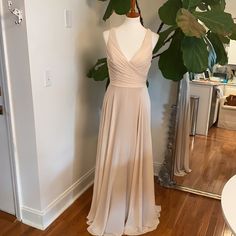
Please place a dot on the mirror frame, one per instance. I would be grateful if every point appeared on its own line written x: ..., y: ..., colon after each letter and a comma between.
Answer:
x: 166, y: 174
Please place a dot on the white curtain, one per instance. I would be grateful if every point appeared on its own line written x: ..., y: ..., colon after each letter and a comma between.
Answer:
x: 181, y: 167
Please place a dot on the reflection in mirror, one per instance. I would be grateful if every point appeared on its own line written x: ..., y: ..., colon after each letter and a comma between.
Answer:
x: 201, y: 148
x: 205, y: 152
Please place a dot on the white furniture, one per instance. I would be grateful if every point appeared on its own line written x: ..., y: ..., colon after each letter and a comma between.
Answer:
x: 229, y: 89
x: 227, y: 114
x: 228, y: 203
x: 232, y: 52
x: 204, y: 90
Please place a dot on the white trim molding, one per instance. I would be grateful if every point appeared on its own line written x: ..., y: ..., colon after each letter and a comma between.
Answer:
x: 42, y: 219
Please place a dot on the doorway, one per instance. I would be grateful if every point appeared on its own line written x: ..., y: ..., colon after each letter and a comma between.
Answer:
x: 7, y: 187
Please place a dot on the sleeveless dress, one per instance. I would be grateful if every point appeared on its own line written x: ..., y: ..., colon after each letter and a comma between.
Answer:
x: 123, y: 196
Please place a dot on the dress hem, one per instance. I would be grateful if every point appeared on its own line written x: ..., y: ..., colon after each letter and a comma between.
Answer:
x: 129, y: 231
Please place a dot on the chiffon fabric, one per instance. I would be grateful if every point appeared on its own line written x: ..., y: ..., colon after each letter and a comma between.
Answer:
x: 182, y: 154
x: 123, y: 196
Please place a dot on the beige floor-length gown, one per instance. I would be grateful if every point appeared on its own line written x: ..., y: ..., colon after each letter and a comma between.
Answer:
x: 182, y: 154
x: 123, y: 197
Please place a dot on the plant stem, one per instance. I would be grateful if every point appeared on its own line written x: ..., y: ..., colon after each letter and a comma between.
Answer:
x: 139, y: 11
x: 160, y: 27
x: 168, y: 40
x: 155, y: 56
x: 107, y: 83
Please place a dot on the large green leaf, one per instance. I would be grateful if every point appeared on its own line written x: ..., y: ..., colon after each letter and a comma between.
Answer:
x: 162, y: 37
x: 219, y: 48
x: 171, y: 60
x: 212, y: 54
x: 203, y: 6
x: 224, y: 39
x: 99, y: 71
x: 219, y: 7
x: 216, y: 4
x: 120, y: 7
x: 167, y: 12
x: 217, y: 21
x: 189, y: 24
x: 233, y: 35
x: 195, y: 54
x: 188, y: 4
x: 108, y: 11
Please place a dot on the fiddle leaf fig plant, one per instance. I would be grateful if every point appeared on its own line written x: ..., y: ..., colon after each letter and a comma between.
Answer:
x: 193, y: 32
x: 189, y: 24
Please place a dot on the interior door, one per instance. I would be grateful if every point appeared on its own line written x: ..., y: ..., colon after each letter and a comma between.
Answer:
x: 6, y: 184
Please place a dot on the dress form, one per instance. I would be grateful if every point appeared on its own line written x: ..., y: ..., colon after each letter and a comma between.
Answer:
x: 130, y: 36
x: 124, y: 196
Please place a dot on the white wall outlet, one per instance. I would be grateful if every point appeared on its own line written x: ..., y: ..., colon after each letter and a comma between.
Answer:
x: 48, y: 78
x: 68, y: 18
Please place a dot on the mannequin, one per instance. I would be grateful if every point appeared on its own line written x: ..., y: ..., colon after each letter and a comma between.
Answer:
x: 130, y: 36
x: 124, y: 197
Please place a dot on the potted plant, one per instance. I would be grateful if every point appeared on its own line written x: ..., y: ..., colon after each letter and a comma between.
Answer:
x: 193, y: 31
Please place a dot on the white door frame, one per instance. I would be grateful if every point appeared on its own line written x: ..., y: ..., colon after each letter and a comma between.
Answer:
x: 7, y: 113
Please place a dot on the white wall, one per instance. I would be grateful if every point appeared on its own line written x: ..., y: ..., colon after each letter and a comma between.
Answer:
x: 231, y: 7
x: 64, y: 113
x: 67, y: 113
x: 65, y: 116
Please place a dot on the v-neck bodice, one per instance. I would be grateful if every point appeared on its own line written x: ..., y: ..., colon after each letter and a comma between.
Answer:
x: 133, y: 72
x: 138, y: 50
x: 123, y: 196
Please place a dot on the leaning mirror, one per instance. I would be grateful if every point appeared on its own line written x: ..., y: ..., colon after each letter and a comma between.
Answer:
x: 201, y: 149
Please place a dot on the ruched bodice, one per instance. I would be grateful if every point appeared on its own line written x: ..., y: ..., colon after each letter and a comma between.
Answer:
x: 133, y: 72
x: 123, y: 194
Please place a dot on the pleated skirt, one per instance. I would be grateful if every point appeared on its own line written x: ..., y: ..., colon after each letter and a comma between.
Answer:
x: 123, y: 196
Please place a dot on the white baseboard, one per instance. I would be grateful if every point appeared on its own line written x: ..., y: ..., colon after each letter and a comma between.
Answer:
x: 157, y: 167
x: 42, y: 219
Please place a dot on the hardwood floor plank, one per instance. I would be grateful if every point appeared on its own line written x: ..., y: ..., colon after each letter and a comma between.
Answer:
x: 212, y: 160
x: 183, y: 214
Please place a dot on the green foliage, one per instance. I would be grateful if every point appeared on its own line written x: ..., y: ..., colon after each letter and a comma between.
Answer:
x: 212, y: 55
x: 163, y: 37
x: 216, y: 21
x: 168, y: 11
x: 171, y: 61
x: 233, y: 35
x: 189, y: 24
x: 195, y: 54
x: 215, y: 4
x: 99, y: 71
x: 221, y: 56
x: 188, y: 4
x: 190, y: 47
x: 119, y: 7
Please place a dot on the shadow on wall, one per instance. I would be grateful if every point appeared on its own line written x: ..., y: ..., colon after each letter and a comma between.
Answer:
x: 89, y: 93
x: 163, y: 96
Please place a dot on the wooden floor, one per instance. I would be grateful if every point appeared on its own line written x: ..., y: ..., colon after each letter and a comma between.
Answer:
x: 212, y: 160
x: 183, y: 214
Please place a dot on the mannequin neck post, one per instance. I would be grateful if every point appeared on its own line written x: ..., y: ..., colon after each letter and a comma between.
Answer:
x: 133, y: 13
